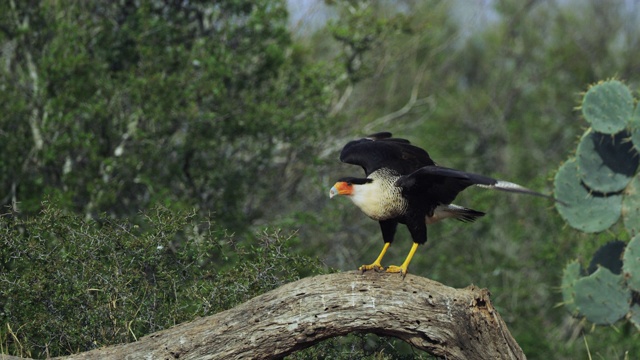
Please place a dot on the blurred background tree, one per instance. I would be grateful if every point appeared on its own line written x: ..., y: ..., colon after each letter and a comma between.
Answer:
x: 238, y: 110
x: 115, y: 106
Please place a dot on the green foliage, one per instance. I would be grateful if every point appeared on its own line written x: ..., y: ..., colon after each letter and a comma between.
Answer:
x: 72, y: 285
x: 120, y: 107
x: 634, y: 315
x: 362, y: 28
x: 361, y: 346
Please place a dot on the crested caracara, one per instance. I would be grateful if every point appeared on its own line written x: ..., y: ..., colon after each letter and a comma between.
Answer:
x: 403, y: 185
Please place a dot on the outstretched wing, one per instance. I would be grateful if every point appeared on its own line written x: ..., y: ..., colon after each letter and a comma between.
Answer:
x: 440, y: 185
x: 380, y: 150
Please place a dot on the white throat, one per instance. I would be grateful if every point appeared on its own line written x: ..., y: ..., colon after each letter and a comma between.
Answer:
x: 379, y: 199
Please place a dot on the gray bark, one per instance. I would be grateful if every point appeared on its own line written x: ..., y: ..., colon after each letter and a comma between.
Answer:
x: 446, y: 322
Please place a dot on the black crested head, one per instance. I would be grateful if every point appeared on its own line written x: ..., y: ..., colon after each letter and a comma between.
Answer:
x: 355, y: 180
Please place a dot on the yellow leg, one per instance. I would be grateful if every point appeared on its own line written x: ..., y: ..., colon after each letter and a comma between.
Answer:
x: 402, y: 269
x: 376, y: 264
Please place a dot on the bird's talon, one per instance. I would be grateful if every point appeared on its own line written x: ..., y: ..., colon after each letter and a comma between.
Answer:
x: 397, y: 269
x: 375, y: 267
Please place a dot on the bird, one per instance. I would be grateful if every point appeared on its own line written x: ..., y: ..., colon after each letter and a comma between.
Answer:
x: 403, y: 185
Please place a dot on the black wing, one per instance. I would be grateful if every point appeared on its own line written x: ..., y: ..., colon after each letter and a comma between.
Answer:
x: 439, y: 185
x: 380, y: 150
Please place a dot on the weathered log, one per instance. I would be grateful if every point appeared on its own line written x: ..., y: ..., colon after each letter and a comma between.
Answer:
x: 446, y: 322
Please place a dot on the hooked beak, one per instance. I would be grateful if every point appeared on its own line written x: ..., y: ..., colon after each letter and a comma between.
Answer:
x: 341, y: 188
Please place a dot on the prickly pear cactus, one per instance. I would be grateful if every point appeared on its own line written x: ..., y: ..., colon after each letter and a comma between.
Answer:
x: 580, y: 206
x: 631, y: 263
x: 608, y: 106
x: 634, y: 127
x: 590, y: 187
x: 594, y: 189
x: 570, y: 275
x: 602, y: 297
x: 604, y: 161
x: 609, y: 292
x: 631, y: 207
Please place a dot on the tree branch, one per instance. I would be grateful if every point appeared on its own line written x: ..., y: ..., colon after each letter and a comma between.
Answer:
x: 411, y: 103
x: 343, y: 100
x: 446, y: 322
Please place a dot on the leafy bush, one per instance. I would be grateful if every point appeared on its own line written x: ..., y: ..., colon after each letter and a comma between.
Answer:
x: 71, y: 285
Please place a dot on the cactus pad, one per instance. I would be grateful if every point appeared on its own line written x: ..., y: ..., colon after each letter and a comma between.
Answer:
x: 608, y: 106
x: 607, y: 162
x: 570, y: 275
x: 634, y: 127
x: 582, y: 209
x: 602, y: 297
x: 631, y: 207
x: 631, y: 266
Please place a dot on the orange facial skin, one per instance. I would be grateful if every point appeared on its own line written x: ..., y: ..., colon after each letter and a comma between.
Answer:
x: 341, y: 188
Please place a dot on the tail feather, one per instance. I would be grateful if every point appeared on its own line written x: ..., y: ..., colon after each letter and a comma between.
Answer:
x: 453, y: 211
x: 468, y: 215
